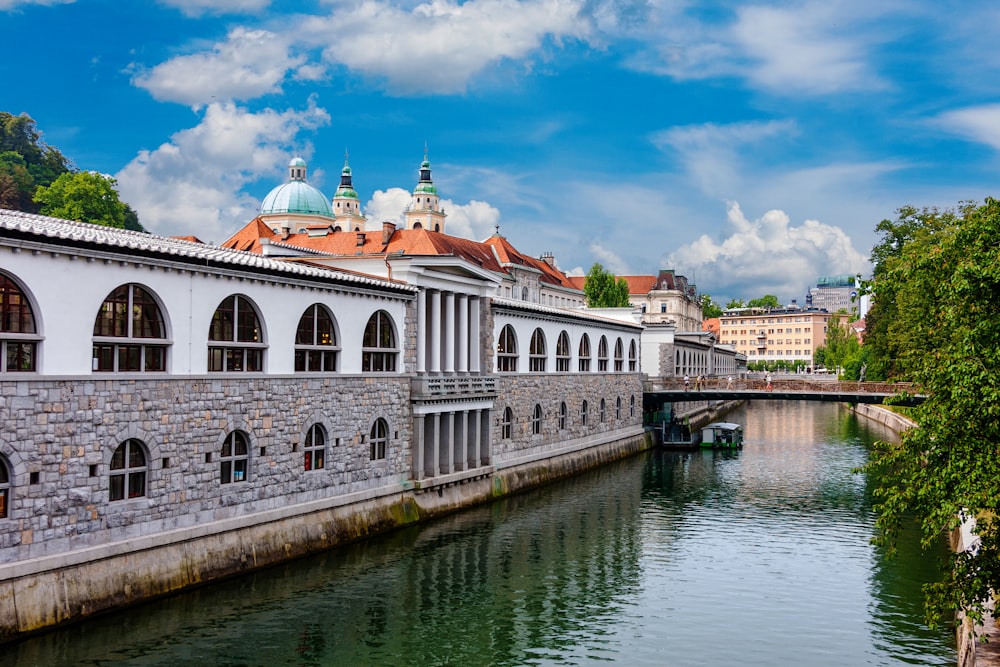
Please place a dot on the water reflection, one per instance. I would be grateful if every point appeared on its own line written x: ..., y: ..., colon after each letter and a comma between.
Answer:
x: 758, y: 556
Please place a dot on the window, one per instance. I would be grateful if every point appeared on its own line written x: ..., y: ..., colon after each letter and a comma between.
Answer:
x: 562, y: 352
x: 507, y: 351
x: 584, y: 353
x: 128, y: 471
x: 378, y: 352
x: 129, y: 333
x: 536, y: 419
x: 602, y: 355
x: 4, y: 489
x: 562, y: 416
x: 316, y: 341
x: 633, y: 358
x: 507, y: 423
x: 18, y: 338
x: 619, y: 356
x: 583, y: 413
x: 315, y: 447
x: 618, y: 408
x: 236, y: 342
x: 631, y: 406
x: 524, y: 294
x: 536, y: 352
x: 235, y: 460
x: 603, y: 413
x: 379, y: 435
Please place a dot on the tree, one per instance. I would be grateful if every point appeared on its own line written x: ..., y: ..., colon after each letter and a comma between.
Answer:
x: 26, y: 162
x: 709, y: 308
x: 85, y: 196
x: 766, y: 301
x: 735, y: 303
x: 842, y: 349
x: 603, y: 290
x: 943, y: 277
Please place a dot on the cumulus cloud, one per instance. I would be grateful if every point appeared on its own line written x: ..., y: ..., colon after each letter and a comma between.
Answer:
x: 475, y: 220
x: 980, y: 124
x: 609, y: 259
x: 387, y: 206
x: 248, y: 64
x: 768, y: 255
x: 201, y: 7
x: 192, y: 184
x: 6, y: 5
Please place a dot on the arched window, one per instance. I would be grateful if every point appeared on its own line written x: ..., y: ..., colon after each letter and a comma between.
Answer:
x: 584, y: 353
x: 129, y: 333
x: 236, y: 341
x: 524, y: 294
x: 378, y: 351
x: 562, y: 416
x: 618, y: 408
x: 584, y: 410
x: 604, y: 411
x: 379, y: 435
x: 633, y: 358
x: 316, y: 341
x: 631, y: 406
x: 602, y: 355
x: 619, y: 356
x: 128, y: 471
x: 4, y: 489
x: 18, y: 336
x: 234, y: 464
x: 536, y: 419
x: 315, y: 447
x: 507, y: 350
x: 507, y: 424
x: 562, y: 352
x: 536, y: 352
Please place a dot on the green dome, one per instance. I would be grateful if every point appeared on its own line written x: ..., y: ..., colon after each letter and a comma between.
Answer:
x: 296, y: 197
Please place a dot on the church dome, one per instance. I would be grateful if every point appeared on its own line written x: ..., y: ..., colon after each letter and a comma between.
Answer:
x: 296, y: 196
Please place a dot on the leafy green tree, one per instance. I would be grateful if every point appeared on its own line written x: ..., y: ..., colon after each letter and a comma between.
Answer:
x: 603, y: 290
x: 736, y: 303
x: 709, y: 308
x: 942, y: 274
x: 45, y: 164
x: 766, y: 301
x: 85, y: 196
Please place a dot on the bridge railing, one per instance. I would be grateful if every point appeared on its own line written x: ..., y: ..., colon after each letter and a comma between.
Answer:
x: 782, y: 383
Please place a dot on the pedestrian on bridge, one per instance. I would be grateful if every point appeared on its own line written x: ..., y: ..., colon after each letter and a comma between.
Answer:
x: 768, y: 379
x: 687, y: 382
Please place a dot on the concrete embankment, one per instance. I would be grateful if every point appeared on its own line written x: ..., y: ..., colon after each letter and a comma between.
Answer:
x: 43, y: 592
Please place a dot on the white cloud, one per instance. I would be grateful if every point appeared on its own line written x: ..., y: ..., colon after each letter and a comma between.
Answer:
x: 6, y: 5
x: 438, y: 46
x: 609, y: 259
x: 193, y: 183
x: 475, y: 220
x: 980, y: 124
x: 250, y: 63
x: 387, y: 206
x: 201, y: 7
x: 768, y: 256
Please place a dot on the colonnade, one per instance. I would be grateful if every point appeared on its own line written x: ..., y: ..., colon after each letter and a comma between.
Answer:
x: 448, y: 332
x: 451, y: 441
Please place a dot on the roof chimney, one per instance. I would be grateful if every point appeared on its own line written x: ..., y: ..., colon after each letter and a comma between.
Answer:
x: 388, y: 228
x: 549, y: 259
x: 361, y: 238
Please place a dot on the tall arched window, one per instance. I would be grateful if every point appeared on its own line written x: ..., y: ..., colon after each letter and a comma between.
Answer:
x: 4, y: 489
x: 631, y: 406
x: 378, y: 351
x: 584, y: 409
x: 618, y: 408
x: 128, y: 471
x: 536, y: 419
x: 619, y: 356
x: 536, y: 352
x: 507, y: 350
x: 234, y: 464
x: 524, y: 294
x: 584, y: 353
x: 379, y: 435
x: 506, y: 425
x: 633, y: 358
x: 604, y: 411
x: 602, y: 355
x: 315, y: 447
x: 562, y: 352
x: 316, y: 341
x: 236, y: 340
x: 562, y: 416
x: 129, y: 333
x: 18, y: 335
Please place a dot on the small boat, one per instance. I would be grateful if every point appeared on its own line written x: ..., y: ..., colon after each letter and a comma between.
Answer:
x: 722, y: 435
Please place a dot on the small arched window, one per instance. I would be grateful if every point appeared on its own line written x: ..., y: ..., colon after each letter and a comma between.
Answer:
x: 234, y: 464
x: 562, y: 416
x: 584, y: 410
x: 602, y: 355
x: 619, y: 356
x: 536, y: 419
x: 129, y: 333
x: 562, y: 352
x: 315, y: 447
x: 507, y: 350
x: 584, y: 353
x: 236, y: 341
x: 128, y: 471
x: 524, y: 294
x: 506, y: 425
x: 618, y: 408
x: 603, y: 413
x: 379, y: 436
x: 633, y: 358
x: 631, y: 406
x: 18, y: 335
x: 5, y: 493
x: 378, y: 352
x: 536, y: 352
x: 316, y: 341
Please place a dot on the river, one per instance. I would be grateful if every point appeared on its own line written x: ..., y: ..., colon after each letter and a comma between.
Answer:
x: 757, y: 557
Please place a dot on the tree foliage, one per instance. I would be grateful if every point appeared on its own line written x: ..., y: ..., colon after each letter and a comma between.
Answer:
x: 766, y: 301
x: 937, y: 277
x: 709, y: 308
x: 842, y: 349
x: 85, y: 196
x: 735, y: 303
x: 603, y: 290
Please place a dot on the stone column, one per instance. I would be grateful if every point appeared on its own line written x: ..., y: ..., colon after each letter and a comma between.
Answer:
x: 418, y: 447
x: 484, y: 437
x: 422, y: 331
x: 435, y: 326
x: 463, y: 334
x: 475, y: 436
x: 475, y: 344
x: 461, y: 439
x: 433, y: 460
x: 449, y: 332
x: 447, y: 445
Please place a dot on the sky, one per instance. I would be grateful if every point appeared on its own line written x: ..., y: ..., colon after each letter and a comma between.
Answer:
x: 750, y: 146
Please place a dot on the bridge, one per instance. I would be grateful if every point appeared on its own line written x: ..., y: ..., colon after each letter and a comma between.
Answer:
x: 783, y: 388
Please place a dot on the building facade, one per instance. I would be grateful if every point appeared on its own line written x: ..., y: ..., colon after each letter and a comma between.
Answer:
x: 773, y: 334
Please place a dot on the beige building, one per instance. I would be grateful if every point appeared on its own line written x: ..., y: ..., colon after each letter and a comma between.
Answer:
x: 763, y: 334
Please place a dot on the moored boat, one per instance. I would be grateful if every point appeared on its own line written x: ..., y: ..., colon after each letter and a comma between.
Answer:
x: 722, y: 435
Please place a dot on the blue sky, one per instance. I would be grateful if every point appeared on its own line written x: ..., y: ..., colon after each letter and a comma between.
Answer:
x: 750, y: 146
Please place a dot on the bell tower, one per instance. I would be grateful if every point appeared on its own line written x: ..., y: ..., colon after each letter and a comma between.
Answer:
x: 424, y: 211
x: 346, y: 204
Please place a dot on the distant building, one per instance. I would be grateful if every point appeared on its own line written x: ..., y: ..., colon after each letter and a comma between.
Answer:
x: 772, y: 334
x: 833, y: 294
